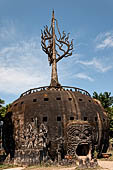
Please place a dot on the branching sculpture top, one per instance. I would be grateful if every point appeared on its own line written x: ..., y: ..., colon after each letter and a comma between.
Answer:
x: 56, y: 47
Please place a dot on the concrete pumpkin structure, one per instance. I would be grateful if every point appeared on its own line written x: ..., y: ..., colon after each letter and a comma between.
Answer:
x: 54, y: 122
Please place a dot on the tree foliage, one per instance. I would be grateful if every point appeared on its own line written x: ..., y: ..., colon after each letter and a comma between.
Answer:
x: 106, y: 99
x: 3, y: 109
x: 110, y: 112
x: 107, y: 102
x: 1, y: 102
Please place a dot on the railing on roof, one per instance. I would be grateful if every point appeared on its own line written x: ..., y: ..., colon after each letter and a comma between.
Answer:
x: 59, y: 88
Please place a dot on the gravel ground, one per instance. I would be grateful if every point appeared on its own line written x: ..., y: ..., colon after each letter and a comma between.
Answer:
x: 106, y: 165
x: 19, y: 168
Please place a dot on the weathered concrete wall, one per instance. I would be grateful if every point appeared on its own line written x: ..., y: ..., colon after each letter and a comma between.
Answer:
x: 55, y: 109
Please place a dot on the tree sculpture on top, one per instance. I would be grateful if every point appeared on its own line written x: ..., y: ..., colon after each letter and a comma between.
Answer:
x: 56, y: 47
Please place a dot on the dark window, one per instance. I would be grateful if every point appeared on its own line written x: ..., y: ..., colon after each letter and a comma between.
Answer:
x: 32, y: 120
x: 80, y: 99
x: 46, y: 99
x: 69, y: 99
x: 22, y: 102
x: 34, y: 100
x: 58, y: 98
x: 45, y: 119
x: 71, y: 118
x: 18, y: 121
x: 58, y: 118
x: 15, y: 104
x: 103, y: 120
x: 89, y: 100
x: 95, y: 119
x: 85, y: 118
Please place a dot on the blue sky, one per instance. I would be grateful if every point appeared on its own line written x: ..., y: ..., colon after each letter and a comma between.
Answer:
x: 23, y: 64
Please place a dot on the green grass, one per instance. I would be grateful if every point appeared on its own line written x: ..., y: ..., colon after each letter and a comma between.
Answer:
x: 40, y: 167
x: 6, y: 166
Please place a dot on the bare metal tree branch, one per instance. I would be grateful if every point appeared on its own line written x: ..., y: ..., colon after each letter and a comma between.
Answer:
x: 62, y: 43
x: 47, y: 47
x: 68, y: 46
x: 56, y: 46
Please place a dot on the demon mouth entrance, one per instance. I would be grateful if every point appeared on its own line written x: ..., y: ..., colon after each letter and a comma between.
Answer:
x: 82, y: 149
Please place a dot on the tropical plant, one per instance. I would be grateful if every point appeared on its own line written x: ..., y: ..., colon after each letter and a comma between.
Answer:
x: 3, y: 109
x: 107, y: 102
x: 1, y: 102
x: 106, y: 99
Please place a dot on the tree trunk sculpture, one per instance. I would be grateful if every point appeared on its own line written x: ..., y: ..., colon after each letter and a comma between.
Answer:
x: 56, y: 48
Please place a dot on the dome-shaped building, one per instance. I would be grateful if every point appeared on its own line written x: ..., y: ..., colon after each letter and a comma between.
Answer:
x: 54, y: 121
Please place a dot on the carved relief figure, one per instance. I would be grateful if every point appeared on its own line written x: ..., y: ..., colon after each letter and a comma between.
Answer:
x: 79, y: 138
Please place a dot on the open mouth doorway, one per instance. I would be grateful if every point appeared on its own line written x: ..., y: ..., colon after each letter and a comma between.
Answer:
x: 82, y: 149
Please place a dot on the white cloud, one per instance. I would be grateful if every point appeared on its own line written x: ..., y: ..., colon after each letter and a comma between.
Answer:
x: 20, y: 54
x: 104, y: 40
x: 16, y: 81
x: 84, y: 76
x: 96, y: 64
x: 9, y: 32
x: 23, y: 65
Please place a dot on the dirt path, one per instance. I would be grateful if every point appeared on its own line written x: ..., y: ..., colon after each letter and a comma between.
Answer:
x: 18, y: 168
x: 52, y: 168
x: 106, y: 164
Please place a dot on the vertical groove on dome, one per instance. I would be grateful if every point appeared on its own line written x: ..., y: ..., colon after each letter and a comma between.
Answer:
x: 76, y: 105
x: 73, y: 104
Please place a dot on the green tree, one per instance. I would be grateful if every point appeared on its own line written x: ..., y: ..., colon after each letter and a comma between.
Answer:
x: 106, y: 99
x: 3, y: 109
x: 1, y: 102
x: 107, y: 102
x: 110, y: 112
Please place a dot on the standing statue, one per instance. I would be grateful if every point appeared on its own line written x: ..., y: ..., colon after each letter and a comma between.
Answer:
x: 55, y: 47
